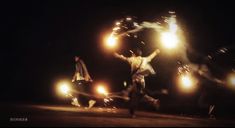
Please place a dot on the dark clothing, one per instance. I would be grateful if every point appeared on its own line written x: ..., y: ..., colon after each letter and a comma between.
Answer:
x: 83, y: 87
x: 82, y: 82
x: 138, y: 93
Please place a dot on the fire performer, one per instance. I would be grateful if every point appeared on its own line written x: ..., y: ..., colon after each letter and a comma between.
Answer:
x: 81, y: 80
x: 140, y: 68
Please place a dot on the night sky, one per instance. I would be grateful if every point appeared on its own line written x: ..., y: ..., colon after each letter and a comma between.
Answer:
x: 40, y: 39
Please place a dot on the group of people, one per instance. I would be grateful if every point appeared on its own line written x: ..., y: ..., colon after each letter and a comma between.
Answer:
x: 140, y: 68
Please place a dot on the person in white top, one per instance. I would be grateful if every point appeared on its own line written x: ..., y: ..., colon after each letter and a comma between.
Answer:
x: 140, y: 68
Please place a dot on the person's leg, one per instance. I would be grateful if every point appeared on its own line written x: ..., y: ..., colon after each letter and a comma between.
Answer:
x: 75, y: 96
x: 211, y: 108
x: 132, y: 103
x: 134, y: 99
x: 203, y: 104
x: 78, y: 98
x: 75, y: 102
x: 154, y: 102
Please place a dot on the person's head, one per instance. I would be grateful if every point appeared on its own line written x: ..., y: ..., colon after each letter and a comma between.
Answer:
x: 76, y: 58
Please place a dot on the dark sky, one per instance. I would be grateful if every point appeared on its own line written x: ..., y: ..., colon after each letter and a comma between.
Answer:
x: 40, y: 39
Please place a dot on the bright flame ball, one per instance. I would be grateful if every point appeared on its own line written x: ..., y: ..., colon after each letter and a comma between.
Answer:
x: 102, y: 90
x: 111, y: 42
x: 231, y: 79
x: 187, y: 83
x: 63, y: 88
x: 169, y: 40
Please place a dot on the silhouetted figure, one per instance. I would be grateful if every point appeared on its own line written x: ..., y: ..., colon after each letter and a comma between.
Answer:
x: 81, y: 80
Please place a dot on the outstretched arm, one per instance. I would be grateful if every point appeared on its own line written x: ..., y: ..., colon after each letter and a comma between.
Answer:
x: 155, y: 53
x: 120, y: 56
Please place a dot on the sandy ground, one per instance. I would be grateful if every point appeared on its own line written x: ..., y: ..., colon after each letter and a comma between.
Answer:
x: 60, y: 115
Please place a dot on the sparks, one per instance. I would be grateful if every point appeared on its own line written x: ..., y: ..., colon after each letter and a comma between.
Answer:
x: 169, y: 38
